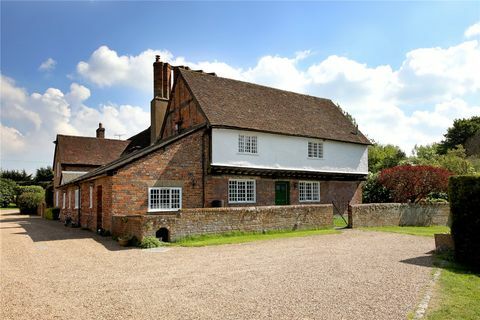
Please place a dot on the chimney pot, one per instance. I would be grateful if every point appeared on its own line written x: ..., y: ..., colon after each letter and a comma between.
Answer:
x: 100, y: 131
x: 157, y: 58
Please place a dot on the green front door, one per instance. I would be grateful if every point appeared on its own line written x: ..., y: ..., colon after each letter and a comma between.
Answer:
x: 282, y: 193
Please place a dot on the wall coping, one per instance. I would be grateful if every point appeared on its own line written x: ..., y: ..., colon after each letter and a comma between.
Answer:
x: 395, y: 204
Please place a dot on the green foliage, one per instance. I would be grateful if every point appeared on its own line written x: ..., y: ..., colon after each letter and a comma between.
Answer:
x: 44, y: 175
x: 150, y: 242
x: 28, y: 202
x: 24, y: 189
x: 464, y: 194
x: 374, y: 191
x: 414, y: 231
x: 48, y: 214
x: 458, y: 134
x: 20, y: 177
x: 7, y: 192
x: 455, y: 161
x: 384, y: 156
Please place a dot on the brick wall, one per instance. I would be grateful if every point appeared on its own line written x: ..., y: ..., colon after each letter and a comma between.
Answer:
x: 399, y: 214
x: 217, y: 220
x: 341, y: 192
x: 177, y: 165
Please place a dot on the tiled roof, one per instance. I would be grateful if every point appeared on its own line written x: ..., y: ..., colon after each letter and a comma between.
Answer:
x: 88, y: 150
x: 237, y: 104
x: 138, y: 141
x: 68, y: 176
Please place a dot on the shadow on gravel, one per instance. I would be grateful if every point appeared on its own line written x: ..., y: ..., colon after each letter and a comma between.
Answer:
x: 39, y: 229
x: 423, y: 261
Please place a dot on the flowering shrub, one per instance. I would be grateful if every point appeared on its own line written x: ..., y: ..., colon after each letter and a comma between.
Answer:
x: 414, y: 183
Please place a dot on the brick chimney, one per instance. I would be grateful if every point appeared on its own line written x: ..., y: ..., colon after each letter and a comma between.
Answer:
x: 162, y: 86
x: 100, y: 131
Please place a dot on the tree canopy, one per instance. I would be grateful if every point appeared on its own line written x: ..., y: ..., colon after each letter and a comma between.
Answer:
x: 459, y: 133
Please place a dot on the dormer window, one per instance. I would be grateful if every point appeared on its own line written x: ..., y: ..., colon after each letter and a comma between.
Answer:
x: 315, y: 150
x: 247, y: 144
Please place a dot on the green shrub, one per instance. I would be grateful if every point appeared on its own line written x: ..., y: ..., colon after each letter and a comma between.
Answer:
x: 23, y: 189
x: 374, y: 192
x: 150, y: 242
x: 464, y: 195
x: 7, y: 192
x: 48, y: 214
x: 28, y: 202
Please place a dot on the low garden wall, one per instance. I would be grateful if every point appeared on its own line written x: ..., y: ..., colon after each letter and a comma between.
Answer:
x: 188, y: 222
x: 398, y: 214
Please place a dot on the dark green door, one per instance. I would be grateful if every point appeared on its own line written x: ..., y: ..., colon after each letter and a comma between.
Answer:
x: 282, y: 193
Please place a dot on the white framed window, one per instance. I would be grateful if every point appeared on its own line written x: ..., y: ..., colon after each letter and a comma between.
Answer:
x: 247, y: 144
x: 69, y: 199
x: 164, y: 199
x: 77, y: 198
x: 90, y: 193
x: 64, y: 200
x: 242, y: 191
x: 56, y: 198
x: 309, y: 191
x: 315, y: 150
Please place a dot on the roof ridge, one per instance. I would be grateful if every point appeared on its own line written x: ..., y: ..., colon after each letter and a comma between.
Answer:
x: 87, y: 137
x: 256, y: 84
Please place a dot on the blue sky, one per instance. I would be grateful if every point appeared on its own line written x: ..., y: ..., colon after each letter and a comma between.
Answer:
x: 374, y: 58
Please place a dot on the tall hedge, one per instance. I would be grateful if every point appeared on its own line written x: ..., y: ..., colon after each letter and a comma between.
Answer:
x: 464, y: 194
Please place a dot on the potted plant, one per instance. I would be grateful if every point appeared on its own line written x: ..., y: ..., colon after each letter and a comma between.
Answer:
x: 124, y: 240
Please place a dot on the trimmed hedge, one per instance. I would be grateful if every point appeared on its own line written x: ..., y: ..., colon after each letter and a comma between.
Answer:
x: 29, y: 201
x: 7, y: 192
x: 464, y: 194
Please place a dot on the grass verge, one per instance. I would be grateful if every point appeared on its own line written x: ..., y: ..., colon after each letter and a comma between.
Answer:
x: 416, y: 231
x: 457, y: 293
x: 339, y: 222
x: 241, y: 237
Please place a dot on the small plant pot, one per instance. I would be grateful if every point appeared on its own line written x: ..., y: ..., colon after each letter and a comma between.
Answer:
x: 123, y: 242
x: 443, y: 242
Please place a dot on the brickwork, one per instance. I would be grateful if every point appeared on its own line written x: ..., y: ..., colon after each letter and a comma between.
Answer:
x: 218, y: 220
x: 399, y: 214
x: 178, y: 165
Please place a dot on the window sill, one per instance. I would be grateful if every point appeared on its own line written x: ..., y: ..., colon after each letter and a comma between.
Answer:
x: 163, y: 210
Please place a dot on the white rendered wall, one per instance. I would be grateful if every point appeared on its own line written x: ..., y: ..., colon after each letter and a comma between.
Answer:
x: 287, y: 152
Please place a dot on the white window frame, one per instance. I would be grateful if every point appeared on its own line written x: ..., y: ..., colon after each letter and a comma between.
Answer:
x: 69, y: 199
x: 233, y: 195
x: 315, y: 150
x: 77, y: 198
x: 91, y: 197
x: 309, y: 186
x: 247, y: 144
x: 56, y: 198
x: 156, y: 209
x: 64, y: 200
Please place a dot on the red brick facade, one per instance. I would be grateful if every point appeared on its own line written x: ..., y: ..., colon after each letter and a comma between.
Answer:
x: 184, y: 164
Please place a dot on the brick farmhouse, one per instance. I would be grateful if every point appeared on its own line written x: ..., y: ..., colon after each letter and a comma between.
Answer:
x: 212, y: 142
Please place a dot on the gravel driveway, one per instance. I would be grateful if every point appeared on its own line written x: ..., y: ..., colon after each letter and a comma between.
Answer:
x: 52, y: 272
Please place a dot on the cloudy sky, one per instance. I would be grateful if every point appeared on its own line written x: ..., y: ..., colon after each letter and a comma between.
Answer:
x: 404, y: 70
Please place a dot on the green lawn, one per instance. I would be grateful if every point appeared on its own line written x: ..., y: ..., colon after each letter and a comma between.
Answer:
x: 10, y: 207
x: 240, y: 237
x: 416, y: 231
x: 457, y: 295
x: 339, y: 222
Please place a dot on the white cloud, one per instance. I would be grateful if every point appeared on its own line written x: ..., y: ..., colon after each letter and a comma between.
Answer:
x: 47, y: 65
x: 473, y: 30
x: 30, y: 122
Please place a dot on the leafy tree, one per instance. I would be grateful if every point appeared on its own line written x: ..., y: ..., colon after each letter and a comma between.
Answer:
x: 374, y: 191
x: 20, y: 177
x: 458, y: 134
x: 7, y: 192
x: 414, y: 183
x: 384, y: 156
x: 456, y: 161
x: 44, y: 175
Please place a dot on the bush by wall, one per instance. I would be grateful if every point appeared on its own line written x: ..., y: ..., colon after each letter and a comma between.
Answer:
x: 464, y: 194
x: 28, y: 201
x: 7, y: 192
x: 48, y: 214
x: 150, y: 242
x: 374, y: 191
